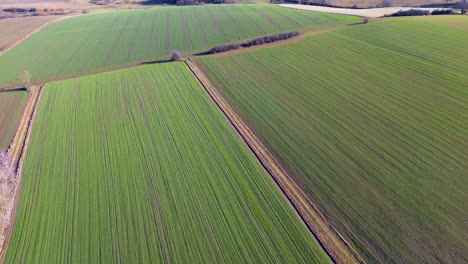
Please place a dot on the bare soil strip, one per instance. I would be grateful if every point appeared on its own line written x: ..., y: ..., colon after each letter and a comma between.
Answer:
x: 17, y: 153
x: 334, y: 244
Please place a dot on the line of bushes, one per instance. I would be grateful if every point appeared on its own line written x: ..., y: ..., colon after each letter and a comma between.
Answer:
x: 202, y: 2
x: 254, y: 42
x: 420, y: 12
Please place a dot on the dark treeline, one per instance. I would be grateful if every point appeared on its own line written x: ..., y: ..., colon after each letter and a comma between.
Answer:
x: 254, y: 42
x: 201, y: 2
x: 411, y: 12
x: 420, y: 12
x: 442, y: 12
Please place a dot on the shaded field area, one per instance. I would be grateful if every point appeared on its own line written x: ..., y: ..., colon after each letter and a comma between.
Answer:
x: 371, y: 121
x: 139, y: 166
x: 88, y: 43
x: 11, y: 107
x: 13, y: 30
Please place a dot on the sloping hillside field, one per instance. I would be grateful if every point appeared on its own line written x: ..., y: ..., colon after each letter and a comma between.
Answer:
x: 139, y: 166
x: 11, y: 107
x: 371, y: 121
x: 88, y: 43
x: 13, y: 30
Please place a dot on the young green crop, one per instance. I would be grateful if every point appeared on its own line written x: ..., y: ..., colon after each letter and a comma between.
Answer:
x: 371, y: 121
x: 139, y: 166
x: 101, y: 41
x: 11, y: 107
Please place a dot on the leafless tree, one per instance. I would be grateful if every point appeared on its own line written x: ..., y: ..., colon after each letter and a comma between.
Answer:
x: 176, y: 55
x: 463, y: 6
x: 386, y: 3
x: 7, y: 170
x: 25, y: 78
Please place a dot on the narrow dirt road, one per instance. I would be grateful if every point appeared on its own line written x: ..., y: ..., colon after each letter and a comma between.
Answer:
x: 17, y: 153
x: 334, y: 244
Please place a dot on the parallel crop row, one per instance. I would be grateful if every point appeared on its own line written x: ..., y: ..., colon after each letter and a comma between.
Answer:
x: 92, y: 42
x: 138, y: 166
x: 371, y: 121
x: 11, y: 107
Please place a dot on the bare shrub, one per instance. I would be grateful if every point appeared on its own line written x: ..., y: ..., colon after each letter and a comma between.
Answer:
x: 463, y: 6
x: 25, y: 78
x: 411, y: 12
x: 442, y: 12
x: 255, y: 42
x: 365, y: 21
x: 176, y: 55
x: 386, y: 3
x: 7, y: 170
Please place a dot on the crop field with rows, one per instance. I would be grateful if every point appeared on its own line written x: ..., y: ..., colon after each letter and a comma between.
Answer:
x: 89, y: 43
x: 371, y: 121
x: 11, y: 107
x: 139, y: 166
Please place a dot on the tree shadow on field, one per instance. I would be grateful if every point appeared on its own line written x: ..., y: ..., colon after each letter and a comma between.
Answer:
x: 155, y: 62
x: 202, y: 53
x: 157, y: 2
x: 13, y: 90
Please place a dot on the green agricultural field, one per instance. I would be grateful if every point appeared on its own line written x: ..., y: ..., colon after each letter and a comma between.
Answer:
x: 11, y: 107
x: 371, y: 120
x: 89, y: 43
x: 139, y: 166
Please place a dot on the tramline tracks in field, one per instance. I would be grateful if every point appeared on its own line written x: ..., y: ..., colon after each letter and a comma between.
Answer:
x: 331, y: 240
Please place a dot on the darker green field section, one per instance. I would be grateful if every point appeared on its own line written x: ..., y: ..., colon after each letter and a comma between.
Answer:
x: 11, y: 107
x: 139, y: 166
x: 94, y: 42
x: 371, y: 121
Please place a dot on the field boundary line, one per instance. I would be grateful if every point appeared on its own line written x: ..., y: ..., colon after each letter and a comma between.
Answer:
x: 17, y: 153
x: 305, y: 33
x: 35, y: 31
x: 337, y: 248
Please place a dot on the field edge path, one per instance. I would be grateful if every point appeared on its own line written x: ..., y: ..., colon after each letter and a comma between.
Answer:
x: 331, y: 241
x: 17, y: 153
x: 39, y: 28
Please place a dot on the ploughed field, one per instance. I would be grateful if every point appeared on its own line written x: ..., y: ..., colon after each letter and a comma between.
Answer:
x: 139, y: 166
x: 12, y: 104
x: 13, y: 30
x: 95, y: 42
x: 371, y: 121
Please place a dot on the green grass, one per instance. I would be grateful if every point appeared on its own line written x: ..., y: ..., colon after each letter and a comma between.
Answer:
x: 11, y: 107
x: 371, y: 121
x: 100, y: 41
x: 139, y: 166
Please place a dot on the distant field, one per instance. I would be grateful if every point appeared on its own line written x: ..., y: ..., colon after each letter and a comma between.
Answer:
x: 371, y: 121
x: 92, y: 42
x: 14, y: 29
x: 11, y: 107
x: 139, y: 166
x: 33, y: 2
x: 376, y: 3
